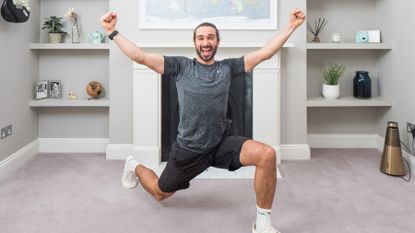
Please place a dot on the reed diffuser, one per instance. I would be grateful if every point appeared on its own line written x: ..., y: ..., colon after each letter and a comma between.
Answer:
x: 316, y: 30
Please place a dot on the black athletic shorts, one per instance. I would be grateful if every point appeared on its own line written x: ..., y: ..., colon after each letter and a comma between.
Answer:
x: 184, y: 165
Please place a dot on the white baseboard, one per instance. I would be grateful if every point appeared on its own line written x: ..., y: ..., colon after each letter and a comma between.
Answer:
x: 295, y: 152
x: 73, y: 145
x: 343, y: 140
x: 145, y: 155
x: 119, y: 151
x: 16, y: 160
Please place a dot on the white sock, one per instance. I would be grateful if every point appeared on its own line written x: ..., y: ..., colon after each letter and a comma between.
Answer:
x: 132, y: 163
x: 263, y: 219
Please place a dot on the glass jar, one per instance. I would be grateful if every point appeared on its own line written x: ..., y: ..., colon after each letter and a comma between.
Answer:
x: 362, y: 85
x: 76, y: 35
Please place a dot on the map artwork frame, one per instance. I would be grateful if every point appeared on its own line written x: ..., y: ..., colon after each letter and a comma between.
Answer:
x: 225, y: 14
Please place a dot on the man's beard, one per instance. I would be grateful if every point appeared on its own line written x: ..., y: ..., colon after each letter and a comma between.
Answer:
x: 208, y: 58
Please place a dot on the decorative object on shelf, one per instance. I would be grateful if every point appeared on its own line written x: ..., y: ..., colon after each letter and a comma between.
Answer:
x: 71, y: 95
x: 331, y: 76
x: 96, y: 37
x: 41, y: 89
x: 316, y: 30
x: 54, y: 89
x: 362, y: 85
x: 76, y: 33
x: 374, y: 36
x: 94, y: 89
x: 15, y: 11
x: 362, y: 37
x: 54, y: 24
x: 335, y: 38
x: 392, y: 161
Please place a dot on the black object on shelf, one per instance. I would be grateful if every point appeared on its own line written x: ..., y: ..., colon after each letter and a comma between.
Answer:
x: 362, y: 85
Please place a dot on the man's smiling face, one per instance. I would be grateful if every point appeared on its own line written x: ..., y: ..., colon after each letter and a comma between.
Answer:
x: 206, y: 44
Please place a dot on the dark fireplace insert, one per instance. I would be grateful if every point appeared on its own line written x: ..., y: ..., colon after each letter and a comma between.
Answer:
x: 239, y: 115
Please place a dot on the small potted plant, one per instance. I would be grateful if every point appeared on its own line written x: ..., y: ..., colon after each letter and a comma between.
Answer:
x: 331, y: 76
x: 54, y: 25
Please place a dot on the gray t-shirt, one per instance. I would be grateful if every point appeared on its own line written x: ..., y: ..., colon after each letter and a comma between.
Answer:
x: 203, y: 99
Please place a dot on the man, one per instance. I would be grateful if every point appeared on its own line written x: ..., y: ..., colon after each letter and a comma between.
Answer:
x: 203, y: 86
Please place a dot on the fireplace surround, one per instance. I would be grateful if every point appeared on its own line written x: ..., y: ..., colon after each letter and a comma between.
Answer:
x: 147, y: 102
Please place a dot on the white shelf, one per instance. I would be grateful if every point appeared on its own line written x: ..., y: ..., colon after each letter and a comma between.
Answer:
x: 351, y: 46
x: 70, y: 103
x: 81, y: 46
x: 347, y: 101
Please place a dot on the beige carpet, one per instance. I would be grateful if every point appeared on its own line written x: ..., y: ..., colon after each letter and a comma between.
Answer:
x: 336, y: 191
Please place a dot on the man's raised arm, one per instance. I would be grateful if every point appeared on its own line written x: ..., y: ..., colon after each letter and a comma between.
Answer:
x: 252, y: 59
x: 152, y: 61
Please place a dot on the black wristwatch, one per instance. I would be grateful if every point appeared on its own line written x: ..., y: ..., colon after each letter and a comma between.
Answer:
x: 113, y: 34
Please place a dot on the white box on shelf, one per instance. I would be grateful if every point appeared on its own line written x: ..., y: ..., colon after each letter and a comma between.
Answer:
x: 374, y: 36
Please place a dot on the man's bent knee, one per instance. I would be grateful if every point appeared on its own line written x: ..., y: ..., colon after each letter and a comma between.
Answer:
x: 268, y: 157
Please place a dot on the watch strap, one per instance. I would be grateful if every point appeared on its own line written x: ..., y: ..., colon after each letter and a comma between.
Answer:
x: 113, y: 34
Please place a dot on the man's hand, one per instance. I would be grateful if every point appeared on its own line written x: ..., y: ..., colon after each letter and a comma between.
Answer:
x: 108, y: 21
x: 297, y: 17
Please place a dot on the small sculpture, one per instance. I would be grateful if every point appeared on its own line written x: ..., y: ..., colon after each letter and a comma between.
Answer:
x: 71, y: 95
x: 318, y: 26
x: 94, y: 89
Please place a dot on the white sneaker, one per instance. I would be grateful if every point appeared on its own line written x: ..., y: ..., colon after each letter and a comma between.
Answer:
x: 128, y: 179
x: 268, y: 230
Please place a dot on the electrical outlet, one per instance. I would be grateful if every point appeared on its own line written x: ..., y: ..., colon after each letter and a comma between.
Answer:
x: 410, y: 127
x: 6, y: 131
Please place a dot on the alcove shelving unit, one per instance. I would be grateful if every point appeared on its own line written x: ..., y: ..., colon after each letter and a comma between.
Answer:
x: 75, y: 65
x: 64, y: 101
x: 345, y: 115
x: 347, y: 101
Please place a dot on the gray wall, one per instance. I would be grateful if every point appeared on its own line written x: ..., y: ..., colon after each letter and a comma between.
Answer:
x: 18, y: 68
x: 397, y: 67
x: 390, y: 69
x: 293, y: 70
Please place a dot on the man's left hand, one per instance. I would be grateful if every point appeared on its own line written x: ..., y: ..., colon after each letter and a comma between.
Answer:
x: 297, y: 17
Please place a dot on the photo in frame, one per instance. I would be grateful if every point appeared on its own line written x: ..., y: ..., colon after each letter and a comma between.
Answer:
x: 225, y: 14
x: 54, y: 89
x: 41, y: 89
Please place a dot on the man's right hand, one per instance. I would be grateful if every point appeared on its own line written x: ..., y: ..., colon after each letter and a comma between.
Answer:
x: 108, y: 22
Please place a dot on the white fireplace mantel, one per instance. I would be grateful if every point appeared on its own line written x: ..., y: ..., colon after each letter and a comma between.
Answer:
x: 147, y: 98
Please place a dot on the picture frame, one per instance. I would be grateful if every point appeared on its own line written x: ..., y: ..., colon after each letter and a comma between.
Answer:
x: 54, y: 89
x: 41, y: 89
x: 228, y: 15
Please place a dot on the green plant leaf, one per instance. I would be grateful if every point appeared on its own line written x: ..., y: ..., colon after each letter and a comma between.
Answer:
x: 332, y: 73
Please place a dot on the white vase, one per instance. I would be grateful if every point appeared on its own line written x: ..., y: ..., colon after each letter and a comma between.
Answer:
x: 331, y: 91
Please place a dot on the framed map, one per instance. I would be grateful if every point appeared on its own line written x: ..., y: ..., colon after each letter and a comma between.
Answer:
x: 226, y: 14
